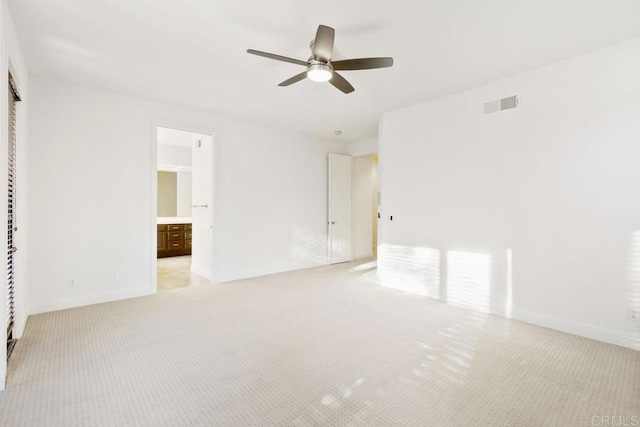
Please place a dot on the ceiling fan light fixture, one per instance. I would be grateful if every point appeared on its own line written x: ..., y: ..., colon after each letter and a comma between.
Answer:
x: 319, y: 72
x: 320, y: 66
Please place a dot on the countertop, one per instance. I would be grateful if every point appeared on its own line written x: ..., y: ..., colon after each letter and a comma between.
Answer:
x: 174, y: 220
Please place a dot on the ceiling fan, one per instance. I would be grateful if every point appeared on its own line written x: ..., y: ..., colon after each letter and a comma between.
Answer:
x: 320, y: 68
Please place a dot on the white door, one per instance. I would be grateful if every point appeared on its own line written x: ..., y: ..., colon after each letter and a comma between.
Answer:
x: 201, y: 207
x: 339, y: 215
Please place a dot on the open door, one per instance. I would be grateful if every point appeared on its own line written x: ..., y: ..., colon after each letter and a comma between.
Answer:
x: 202, y: 207
x: 339, y: 203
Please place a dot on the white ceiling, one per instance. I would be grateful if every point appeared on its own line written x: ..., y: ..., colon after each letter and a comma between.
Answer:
x: 193, y: 52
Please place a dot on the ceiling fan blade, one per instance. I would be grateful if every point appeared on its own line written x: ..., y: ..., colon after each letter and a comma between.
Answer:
x: 323, y: 43
x: 276, y: 57
x: 341, y: 83
x: 294, y: 79
x: 362, y: 64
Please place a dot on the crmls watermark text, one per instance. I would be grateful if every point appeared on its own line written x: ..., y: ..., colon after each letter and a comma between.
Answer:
x: 615, y: 420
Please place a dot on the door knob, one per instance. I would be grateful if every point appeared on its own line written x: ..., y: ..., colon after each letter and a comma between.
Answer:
x: 333, y: 222
x: 14, y: 249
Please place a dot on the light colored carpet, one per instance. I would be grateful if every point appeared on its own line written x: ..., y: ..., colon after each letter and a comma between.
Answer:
x: 324, y: 346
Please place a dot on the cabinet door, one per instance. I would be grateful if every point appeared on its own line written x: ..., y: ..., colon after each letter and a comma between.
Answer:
x: 162, y: 241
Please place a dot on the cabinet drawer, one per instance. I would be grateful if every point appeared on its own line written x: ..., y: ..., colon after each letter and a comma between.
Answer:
x: 188, y: 227
x: 175, y: 235
x: 176, y: 244
x: 187, y: 234
x: 176, y: 227
x: 162, y: 227
x: 187, y: 244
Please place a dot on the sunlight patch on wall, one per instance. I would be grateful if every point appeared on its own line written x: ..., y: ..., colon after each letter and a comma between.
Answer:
x: 469, y: 279
x: 415, y: 270
x: 309, y: 245
x: 509, y: 297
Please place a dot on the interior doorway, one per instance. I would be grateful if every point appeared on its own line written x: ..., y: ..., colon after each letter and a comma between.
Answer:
x: 365, y: 203
x: 375, y: 204
x: 183, y: 208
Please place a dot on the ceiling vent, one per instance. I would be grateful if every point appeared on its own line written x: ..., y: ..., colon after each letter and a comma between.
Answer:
x: 501, y: 104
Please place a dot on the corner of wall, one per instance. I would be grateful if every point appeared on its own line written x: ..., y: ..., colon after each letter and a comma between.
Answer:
x: 363, y: 148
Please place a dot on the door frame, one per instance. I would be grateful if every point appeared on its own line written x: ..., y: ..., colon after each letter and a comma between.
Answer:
x: 371, y: 149
x: 155, y: 123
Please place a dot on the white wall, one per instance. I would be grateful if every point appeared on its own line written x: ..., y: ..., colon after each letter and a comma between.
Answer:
x: 91, y: 154
x: 532, y: 212
x: 362, y: 184
x: 171, y: 155
x: 11, y: 58
x: 363, y: 148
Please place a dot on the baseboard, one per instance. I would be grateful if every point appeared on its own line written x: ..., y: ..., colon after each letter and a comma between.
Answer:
x: 19, y: 326
x: 90, y: 299
x: 579, y: 329
x: 575, y: 328
x: 233, y: 276
x: 201, y: 272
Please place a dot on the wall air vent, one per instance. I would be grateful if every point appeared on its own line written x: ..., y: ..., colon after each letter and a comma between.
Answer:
x: 501, y: 104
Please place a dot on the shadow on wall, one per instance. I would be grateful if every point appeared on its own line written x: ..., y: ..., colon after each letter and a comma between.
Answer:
x: 456, y: 277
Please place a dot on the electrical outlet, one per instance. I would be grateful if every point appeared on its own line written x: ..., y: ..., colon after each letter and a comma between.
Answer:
x: 634, y: 314
x: 71, y: 283
x: 115, y: 276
